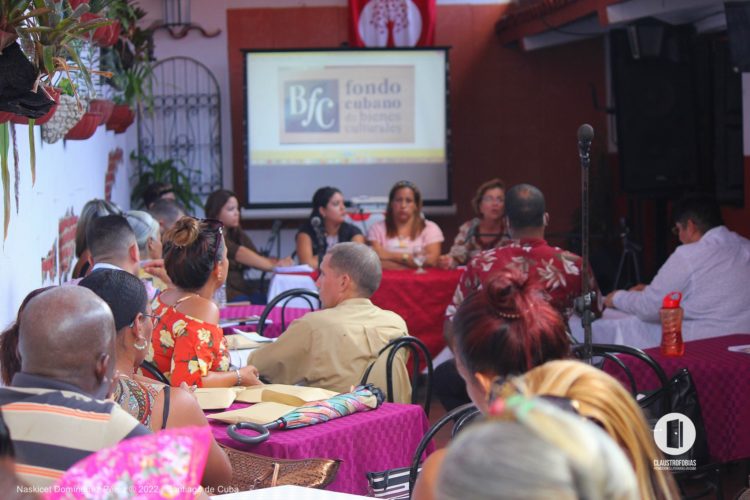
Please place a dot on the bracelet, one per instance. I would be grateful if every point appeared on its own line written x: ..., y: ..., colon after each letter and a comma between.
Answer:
x: 239, y: 377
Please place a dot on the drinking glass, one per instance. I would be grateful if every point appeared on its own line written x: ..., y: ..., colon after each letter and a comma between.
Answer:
x: 419, y: 257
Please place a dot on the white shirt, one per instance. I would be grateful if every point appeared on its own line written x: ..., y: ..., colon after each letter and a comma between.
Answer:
x: 713, y: 275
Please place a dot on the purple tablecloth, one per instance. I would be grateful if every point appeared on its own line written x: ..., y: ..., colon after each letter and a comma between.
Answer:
x: 364, y: 442
x: 271, y: 330
x: 722, y: 380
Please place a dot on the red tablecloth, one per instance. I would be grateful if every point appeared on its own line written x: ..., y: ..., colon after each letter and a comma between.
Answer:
x: 722, y: 380
x: 365, y: 442
x: 271, y: 330
x: 421, y: 300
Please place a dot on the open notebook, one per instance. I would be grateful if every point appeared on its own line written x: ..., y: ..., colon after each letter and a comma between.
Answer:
x: 220, y: 398
x: 246, y: 340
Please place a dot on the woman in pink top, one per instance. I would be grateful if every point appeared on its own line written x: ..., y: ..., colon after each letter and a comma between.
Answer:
x: 405, y: 233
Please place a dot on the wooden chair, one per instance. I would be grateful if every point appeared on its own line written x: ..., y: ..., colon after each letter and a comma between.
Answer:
x: 307, y: 295
x: 415, y: 346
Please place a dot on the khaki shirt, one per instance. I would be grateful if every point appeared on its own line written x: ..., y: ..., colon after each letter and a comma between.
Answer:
x: 333, y: 347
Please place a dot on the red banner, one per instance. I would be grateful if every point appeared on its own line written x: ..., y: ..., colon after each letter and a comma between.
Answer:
x: 391, y: 23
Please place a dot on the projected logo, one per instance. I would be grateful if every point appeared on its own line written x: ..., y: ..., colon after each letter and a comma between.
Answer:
x: 311, y: 106
x: 674, y: 434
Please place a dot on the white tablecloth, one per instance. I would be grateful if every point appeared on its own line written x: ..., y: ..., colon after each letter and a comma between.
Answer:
x: 617, y: 327
x: 283, y: 282
x: 285, y: 493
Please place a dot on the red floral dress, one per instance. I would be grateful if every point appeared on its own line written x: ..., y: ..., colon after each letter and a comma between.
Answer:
x: 185, y: 348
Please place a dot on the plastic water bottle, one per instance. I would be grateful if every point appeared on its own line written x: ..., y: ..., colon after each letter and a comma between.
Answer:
x: 671, y: 325
x: 220, y: 296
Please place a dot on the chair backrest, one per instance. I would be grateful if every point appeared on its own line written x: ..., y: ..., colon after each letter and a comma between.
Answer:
x: 307, y: 295
x: 155, y: 372
x: 460, y: 416
x: 614, y: 353
x: 415, y: 346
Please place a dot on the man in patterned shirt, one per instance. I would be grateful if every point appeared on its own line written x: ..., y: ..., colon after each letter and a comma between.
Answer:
x: 556, y: 271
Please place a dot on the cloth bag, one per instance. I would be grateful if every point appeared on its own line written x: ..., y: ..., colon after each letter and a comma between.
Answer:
x: 392, y: 483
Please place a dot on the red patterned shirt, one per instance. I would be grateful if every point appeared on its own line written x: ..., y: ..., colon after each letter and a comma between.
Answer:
x: 557, y: 270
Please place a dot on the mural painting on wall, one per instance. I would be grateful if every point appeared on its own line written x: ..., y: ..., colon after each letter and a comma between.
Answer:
x: 115, y: 159
x: 67, y: 241
x: 391, y: 23
x: 49, y: 265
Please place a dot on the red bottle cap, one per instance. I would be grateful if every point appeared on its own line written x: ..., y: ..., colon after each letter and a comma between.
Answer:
x: 671, y: 300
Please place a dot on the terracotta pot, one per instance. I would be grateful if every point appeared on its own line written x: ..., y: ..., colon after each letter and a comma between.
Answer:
x: 107, y: 36
x: 75, y: 3
x: 85, y: 127
x: 122, y: 117
x: 22, y: 120
x: 6, y: 116
x: 103, y: 106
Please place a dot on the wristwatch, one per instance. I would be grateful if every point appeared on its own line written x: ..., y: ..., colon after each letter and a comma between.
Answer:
x: 405, y: 258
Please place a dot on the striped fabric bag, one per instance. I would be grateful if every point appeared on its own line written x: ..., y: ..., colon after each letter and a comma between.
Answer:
x: 392, y: 484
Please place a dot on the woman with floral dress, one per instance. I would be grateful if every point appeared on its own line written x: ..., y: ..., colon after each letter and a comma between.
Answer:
x: 188, y: 344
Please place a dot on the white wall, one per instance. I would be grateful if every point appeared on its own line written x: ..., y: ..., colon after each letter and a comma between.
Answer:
x: 68, y: 175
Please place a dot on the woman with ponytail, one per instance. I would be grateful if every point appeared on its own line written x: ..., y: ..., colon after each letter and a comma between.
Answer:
x: 188, y: 344
x: 501, y: 330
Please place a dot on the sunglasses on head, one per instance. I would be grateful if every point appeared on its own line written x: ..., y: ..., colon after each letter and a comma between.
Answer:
x: 214, y: 226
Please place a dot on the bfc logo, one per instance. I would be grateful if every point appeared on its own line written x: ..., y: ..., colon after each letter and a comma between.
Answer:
x: 311, y: 106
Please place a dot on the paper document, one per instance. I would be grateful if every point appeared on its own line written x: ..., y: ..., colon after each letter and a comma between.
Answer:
x: 739, y: 348
x: 262, y: 413
x: 215, y: 398
x: 247, y: 340
x: 302, y: 268
x: 295, y: 395
x: 247, y: 320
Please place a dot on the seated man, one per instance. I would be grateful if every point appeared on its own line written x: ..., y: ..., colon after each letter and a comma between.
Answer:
x: 113, y: 245
x: 166, y: 212
x: 712, y: 271
x: 55, y: 406
x: 556, y: 271
x: 333, y: 347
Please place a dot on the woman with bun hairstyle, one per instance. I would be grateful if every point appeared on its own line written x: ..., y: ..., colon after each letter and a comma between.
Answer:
x: 601, y: 398
x: 314, y: 240
x: 503, y: 329
x: 188, y: 344
x: 404, y: 230
x: 222, y: 205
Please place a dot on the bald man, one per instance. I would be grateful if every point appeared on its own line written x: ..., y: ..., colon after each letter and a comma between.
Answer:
x: 66, y: 343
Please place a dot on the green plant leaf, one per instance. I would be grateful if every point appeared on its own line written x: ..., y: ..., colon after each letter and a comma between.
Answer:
x: 5, y: 174
x: 32, y: 151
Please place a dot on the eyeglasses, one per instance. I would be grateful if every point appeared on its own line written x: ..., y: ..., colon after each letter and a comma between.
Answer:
x: 154, y: 319
x: 493, y: 199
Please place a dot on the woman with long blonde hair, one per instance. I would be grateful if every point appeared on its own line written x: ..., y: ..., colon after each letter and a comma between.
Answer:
x: 601, y: 398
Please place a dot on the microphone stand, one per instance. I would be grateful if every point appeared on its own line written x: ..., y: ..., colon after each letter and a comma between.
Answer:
x: 585, y: 302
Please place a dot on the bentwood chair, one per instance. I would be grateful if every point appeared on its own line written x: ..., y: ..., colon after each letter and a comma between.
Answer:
x: 415, y: 347
x: 307, y: 295
x: 150, y: 367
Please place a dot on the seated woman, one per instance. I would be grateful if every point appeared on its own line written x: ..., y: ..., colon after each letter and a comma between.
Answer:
x: 154, y: 405
x: 190, y: 346
x: 241, y: 251
x: 148, y: 236
x: 604, y: 400
x: 532, y: 449
x: 505, y: 328
x: 404, y: 231
x: 313, y: 241
x: 480, y: 233
x: 91, y: 210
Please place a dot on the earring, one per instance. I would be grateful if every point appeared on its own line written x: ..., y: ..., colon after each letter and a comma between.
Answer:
x: 141, y: 347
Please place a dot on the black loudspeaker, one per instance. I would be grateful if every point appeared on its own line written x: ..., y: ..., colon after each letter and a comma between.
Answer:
x: 738, y: 32
x: 655, y: 101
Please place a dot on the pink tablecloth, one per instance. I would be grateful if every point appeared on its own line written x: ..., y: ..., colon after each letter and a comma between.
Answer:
x: 364, y: 442
x: 722, y: 380
x: 271, y: 330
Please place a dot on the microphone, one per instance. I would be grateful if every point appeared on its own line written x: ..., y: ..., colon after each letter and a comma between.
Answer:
x: 275, y: 230
x: 585, y: 136
x: 472, y: 232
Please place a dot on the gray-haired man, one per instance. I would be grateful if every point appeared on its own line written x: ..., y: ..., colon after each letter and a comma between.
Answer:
x: 333, y: 347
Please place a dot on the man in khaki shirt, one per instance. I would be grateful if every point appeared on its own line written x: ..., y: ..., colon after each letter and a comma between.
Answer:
x: 333, y: 347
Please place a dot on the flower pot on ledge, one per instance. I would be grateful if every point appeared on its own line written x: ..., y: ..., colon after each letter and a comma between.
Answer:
x: 85, y: 127
x: 122, y: 117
